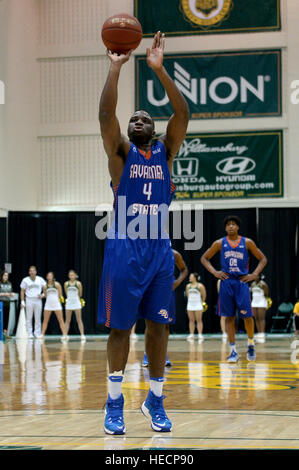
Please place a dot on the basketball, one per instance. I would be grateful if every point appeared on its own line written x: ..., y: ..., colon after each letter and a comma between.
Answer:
x: 121, y: 33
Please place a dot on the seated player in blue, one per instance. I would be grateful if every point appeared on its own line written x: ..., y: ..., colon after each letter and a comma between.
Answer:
x: 181, y: 265
x: 234, y: 288
x: 138, y: 265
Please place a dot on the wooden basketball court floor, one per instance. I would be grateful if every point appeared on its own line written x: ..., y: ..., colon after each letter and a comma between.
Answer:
x: 52, y: 395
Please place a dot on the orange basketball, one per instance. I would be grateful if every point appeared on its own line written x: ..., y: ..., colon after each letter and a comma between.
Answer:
x: 121, y: 33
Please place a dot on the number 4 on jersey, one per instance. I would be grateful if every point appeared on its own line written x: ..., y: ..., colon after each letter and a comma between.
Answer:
x: 147, y: 192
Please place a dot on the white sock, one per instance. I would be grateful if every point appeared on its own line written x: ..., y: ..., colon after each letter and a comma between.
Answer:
x: 156, y: 386
x: 114, y: 384
x: 233, y: 347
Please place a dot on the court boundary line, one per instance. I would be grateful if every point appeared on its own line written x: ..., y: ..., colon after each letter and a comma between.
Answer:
x: 170, y: 438
x: 203, y: 447
x: 271, y: 413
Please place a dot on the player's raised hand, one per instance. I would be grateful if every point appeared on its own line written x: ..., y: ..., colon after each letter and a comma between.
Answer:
x: 118, y: 59
x: 154, y: 55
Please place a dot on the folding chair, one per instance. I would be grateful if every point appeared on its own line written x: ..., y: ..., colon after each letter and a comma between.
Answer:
x: 282, y: 321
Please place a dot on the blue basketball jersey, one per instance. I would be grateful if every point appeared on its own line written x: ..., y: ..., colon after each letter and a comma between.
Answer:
x: 234, y: 258
x: 142, y: 197
x: 137, y: 276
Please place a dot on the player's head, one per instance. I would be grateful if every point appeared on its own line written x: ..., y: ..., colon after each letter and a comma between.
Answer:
x: 50, y: 277
x: 141, y: 127
x: 232, y: 224
x: 32, y: 271
x: 194, y: 277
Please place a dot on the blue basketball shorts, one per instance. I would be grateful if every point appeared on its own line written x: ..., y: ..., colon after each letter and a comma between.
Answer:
x: 234, y: 294
x: 136, y: 282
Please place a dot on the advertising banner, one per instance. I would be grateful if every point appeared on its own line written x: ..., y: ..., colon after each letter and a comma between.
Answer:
x: 237, y: 84
x: 191, y: 17
x: 229, y: 165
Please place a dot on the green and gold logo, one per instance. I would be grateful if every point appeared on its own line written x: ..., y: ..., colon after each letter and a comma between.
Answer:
x: 206, y: 13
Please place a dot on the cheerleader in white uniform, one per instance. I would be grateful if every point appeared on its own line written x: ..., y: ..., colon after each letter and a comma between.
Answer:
x: 53, y: 294
x: 73, y: 291
x: 196, y: 294
x: 260, y: 292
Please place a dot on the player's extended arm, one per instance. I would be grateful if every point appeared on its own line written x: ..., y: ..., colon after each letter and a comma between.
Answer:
x: 178, y: 122
x: 116, y: 144
x: 181, y: 265
x: 205, y: 260
x: 251, y: 246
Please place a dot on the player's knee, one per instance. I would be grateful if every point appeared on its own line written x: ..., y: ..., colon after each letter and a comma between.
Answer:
x: 120, y: 334
x: 248, y: 319
x: 229, y: 319
x: 155, y: 329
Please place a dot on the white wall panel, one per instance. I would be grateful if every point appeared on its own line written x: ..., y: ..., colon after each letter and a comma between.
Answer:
x: 76, y: 21
x: 73, y: 172
x: 54, y: 66
x: 19, y: 159
x: 70, y: 89
x: 74, y: 169
x: 70, y: 21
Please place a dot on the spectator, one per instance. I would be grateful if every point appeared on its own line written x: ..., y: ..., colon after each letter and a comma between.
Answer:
x: 196, y: 294
x: 31, y: 288
x: 5, y: 295
x: 260, y: 291
x: 74, y: 302
x: 53, y: 293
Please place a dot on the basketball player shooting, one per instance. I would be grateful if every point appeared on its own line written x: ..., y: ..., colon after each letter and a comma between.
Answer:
x: 138, y: 272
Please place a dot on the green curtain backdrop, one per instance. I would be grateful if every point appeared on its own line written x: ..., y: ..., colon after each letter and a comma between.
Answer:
x: 60, y: 241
